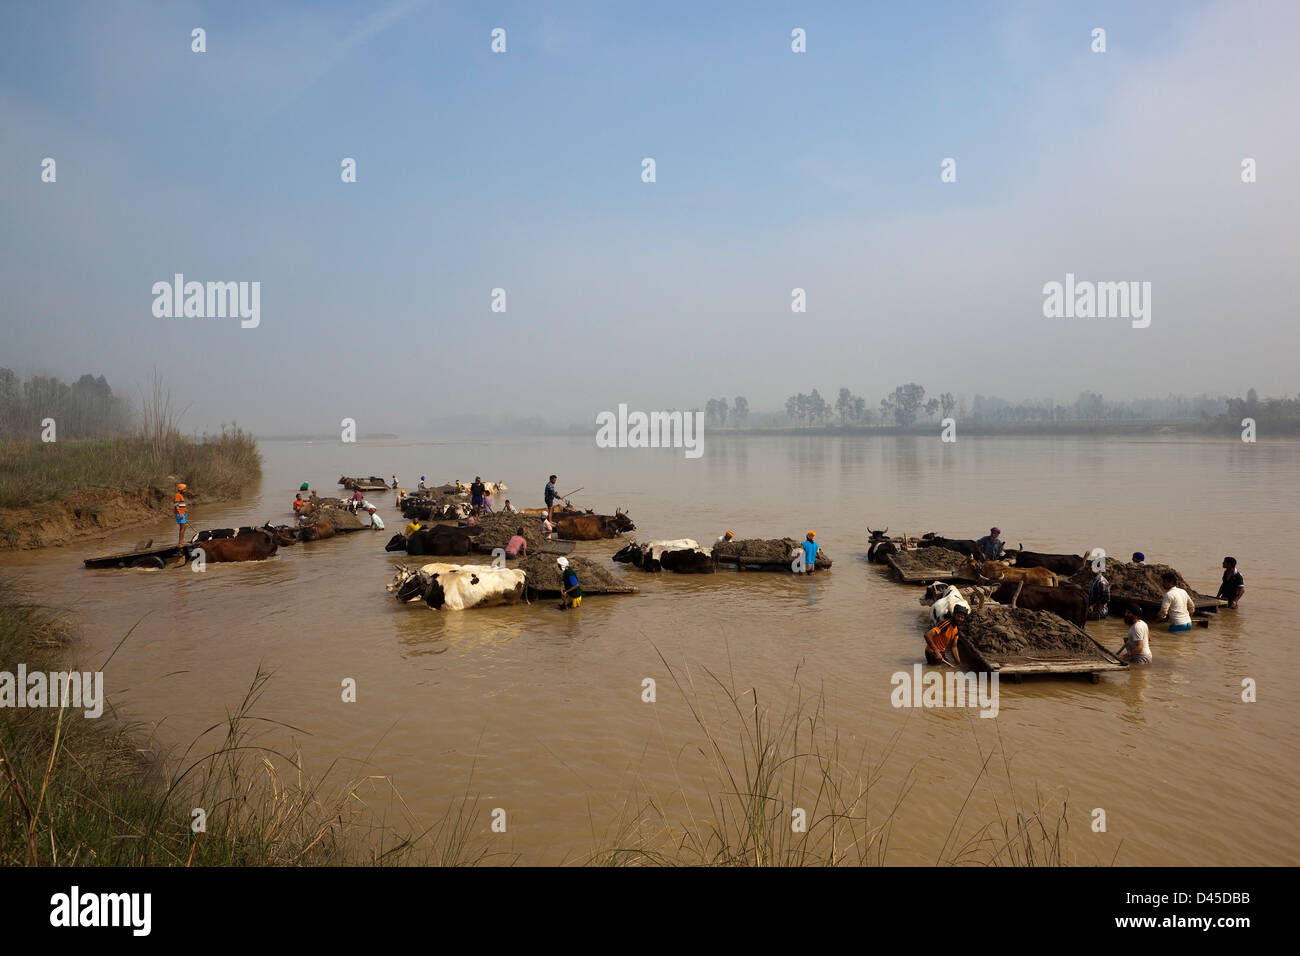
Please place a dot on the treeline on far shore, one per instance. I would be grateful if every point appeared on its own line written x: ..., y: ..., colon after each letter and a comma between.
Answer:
x: 96, y: 442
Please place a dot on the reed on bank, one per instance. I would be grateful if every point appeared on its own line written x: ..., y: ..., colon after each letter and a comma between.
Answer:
x: 33, y: 473
x: 76, y: 791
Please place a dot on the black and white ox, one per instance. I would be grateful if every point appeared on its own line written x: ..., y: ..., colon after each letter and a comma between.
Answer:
x: 682, y: 555
x: 455, y: 587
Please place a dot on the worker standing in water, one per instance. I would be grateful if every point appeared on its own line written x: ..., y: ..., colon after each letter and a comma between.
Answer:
x: 570, y: 590
x: 1137, y: 642
x: 943, y: 636
x: 180, y: 509
x: 809, y: 545
x: 1234, y: 585
x: 1178, y: 606
x: 724, y: 538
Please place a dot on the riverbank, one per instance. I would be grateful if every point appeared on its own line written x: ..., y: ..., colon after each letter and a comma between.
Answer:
x: 79, y: 790
x: 57, y: 492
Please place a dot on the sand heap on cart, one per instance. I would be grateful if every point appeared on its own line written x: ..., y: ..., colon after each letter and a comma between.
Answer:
x: 335, y: 511
x: 1017, y: 634
x: 1136, y: 581
x: 929, y: 559
x: 495, y: 530
x: 768, y: 553
x: 544, y: 576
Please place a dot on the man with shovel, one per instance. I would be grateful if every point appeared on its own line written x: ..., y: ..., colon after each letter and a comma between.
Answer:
x: 570, y: 590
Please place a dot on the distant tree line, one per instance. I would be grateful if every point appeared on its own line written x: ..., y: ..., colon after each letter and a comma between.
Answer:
x: 907, y: 406
x: 85, y: 409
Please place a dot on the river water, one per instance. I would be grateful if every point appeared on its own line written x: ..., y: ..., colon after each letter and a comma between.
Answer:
x: 540, y: 712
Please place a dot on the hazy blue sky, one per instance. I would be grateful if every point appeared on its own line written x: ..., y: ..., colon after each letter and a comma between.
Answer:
x: 522, y: 170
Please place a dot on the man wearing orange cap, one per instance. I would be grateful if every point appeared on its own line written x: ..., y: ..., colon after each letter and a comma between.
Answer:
x: 724, y: 538
x: 179, y: 508
x: 809, y: 545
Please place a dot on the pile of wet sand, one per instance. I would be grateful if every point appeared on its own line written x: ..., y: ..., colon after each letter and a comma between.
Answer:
x: 496, y: 529
x: 929, y: 559
x: 340, y: 517
x: 772, y: 551
x: 1139, y: 581
x: 1018, y: 632
x: 544, y: 575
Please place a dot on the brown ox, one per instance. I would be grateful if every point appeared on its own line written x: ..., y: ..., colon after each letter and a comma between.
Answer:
x: 593, y: 527
x: 1000, y: 571
x: 254, y: 546
x: 317, y: 532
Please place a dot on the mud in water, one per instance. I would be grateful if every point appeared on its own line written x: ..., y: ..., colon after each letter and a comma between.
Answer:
x: 1019, y: 632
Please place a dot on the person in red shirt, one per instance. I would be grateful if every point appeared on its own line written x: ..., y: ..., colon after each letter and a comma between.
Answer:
x: 938, y: 639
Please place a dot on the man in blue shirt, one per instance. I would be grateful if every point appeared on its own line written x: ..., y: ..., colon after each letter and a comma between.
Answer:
x: 809, y: 546
x: 550, y: 495
x: 990, y: 546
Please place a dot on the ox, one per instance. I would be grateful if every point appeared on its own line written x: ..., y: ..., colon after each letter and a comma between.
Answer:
x: 439, y: 539
x: 684, y: 556
x: 283, y: 534
x: 945, y: 598
x: 455, y: 587
x: 966, y: 546
x: 253, y: 545
x: 1001, y: 571
x: 317, y: 531
x: 1066, y: 601
x: 215, y: 534
x: 879, y: 545
x: 593, y: 527
x: 1065, y: 564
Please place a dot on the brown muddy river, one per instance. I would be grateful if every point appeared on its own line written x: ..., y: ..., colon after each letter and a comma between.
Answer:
x: 540, y: 712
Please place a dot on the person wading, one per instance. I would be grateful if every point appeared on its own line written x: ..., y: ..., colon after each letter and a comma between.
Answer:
x: 1233, y: 586
x: 809, y: 545
x: 943, y: 636
x: 1098, y: 596
x: 476, y: 491
x: 1177, y: 606
x: 1137, y: 643
x: 570, y: 590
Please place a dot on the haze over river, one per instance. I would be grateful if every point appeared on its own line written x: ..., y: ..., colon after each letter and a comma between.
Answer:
x: 540, y: 712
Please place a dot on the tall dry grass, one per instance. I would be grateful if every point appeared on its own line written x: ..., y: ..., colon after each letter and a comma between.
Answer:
x: 75, y: 791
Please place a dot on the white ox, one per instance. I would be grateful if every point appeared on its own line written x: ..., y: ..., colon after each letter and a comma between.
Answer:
x: 656, y: 548
x: 456, y: 587
x: 945, y: 597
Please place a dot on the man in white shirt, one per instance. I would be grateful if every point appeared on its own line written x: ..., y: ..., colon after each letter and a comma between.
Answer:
x: 1177, y: 606
x: 1137, y: 643
x: 376, y: 522
x: 547, y: 527
x: 724, y: 538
